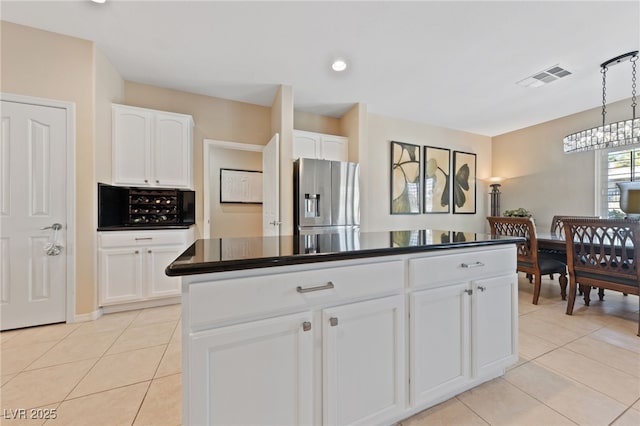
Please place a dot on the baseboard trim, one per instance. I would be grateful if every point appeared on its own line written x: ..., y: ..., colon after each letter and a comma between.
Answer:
x: 91, y: 316
x: 141, y: 305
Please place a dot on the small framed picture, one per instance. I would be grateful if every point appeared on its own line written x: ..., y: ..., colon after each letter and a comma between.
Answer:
x: 436, y: 182
x: 405, y: 178
x: 464, y: 182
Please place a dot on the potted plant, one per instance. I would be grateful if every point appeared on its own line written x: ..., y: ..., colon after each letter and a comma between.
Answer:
x: 519, y: 212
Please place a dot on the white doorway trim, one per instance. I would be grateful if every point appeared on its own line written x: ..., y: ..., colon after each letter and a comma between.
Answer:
x: 70, y: 109
x: 208, y: 146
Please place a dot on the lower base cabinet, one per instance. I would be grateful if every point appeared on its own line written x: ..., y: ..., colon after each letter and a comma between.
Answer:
x: 460, y: 333
x: 277, y: 387
x: 327, y: 344
x: 363, y: 362
x: 255, y: 373
x: 131, y: 264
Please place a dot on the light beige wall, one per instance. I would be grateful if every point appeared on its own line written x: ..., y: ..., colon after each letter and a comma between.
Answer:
x: 48, y: 65
x: 353, y: 125
x: 282, y: 123
x: 541, y: 177
x: 214, y: 118
x: 233, y: 220
x: 316, y: 123
x: 375, y: 159
x: 109, y: 89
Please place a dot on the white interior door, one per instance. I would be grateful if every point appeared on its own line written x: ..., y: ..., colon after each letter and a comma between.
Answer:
x: 33, y: 195
x: 271, y: 188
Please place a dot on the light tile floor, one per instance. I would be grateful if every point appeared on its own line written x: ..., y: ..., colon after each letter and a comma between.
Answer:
x: 124, y: 369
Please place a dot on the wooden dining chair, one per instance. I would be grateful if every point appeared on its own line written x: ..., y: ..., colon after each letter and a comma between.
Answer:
x: 557, y: 228
x: 557, y: 223
x: 602, y: 253
x: 530, y: 261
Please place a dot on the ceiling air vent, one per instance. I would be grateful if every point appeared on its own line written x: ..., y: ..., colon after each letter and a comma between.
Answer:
x: 543, y: 77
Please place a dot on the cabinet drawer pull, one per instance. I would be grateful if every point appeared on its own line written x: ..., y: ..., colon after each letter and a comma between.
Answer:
x: 145, y: 238
x: 327, y: 286
x: 306, y: 326
x: 333, y: 321
x: 472, y: 265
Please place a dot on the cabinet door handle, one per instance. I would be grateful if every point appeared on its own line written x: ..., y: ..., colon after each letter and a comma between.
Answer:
x: 333, y: 321
x: 157, y: 181
x: 327, y: 286
x: 146, y: 181
x: 472, y: 265
x: 145, y: 238
x: 481, y: 288
x: 306, y: 326
x: 148, y: 251
x: 469, y: 292
x: 137, y: 251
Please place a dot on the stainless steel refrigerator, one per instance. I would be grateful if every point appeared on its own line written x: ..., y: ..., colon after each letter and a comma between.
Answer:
x: 326, y: 201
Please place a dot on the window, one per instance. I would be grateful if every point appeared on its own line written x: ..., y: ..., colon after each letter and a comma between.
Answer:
x: 618, y: 166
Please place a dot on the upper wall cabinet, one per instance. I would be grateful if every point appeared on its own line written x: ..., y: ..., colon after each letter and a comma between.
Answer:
x: 320, y: 146
x: 152, y: 148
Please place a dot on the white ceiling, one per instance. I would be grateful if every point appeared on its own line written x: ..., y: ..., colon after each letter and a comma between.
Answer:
x: 452, y: 64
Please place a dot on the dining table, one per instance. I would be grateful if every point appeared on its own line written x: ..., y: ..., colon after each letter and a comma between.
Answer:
x: 551, y: 241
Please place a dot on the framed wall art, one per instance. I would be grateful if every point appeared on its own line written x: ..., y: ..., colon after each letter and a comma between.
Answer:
x: 240, y: 186
x: 436, y: 182
x: 405, y: 178
x: 464, y: 182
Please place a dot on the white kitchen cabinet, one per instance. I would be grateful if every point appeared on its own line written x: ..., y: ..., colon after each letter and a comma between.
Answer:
x: 320, y: 146
x: 439, y: 342
x: 259, y: 372
x: 494, y: 331
x: 131, y: 264
x: 347, y: 384
x: 460, y: 330
x: 152, y: 148
x: 476, y: 317
x: 120, y: 276
x: 363, y: 362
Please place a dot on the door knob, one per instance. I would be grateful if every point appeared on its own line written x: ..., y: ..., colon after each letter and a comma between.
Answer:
x: 275, y: 223
x: 55, y: 227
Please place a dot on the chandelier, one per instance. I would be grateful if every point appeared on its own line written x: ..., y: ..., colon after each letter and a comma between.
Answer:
x: 611, y: 135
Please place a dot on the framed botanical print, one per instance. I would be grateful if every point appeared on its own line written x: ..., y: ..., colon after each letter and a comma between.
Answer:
x: 437, y: 172
x: 464, y: 182
x: 405, y: 178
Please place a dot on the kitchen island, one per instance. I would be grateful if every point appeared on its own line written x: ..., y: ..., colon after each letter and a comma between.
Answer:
x: 342, y: 328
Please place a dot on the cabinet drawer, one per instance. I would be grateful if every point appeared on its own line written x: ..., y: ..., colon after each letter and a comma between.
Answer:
x: 142, y: 238
x: 433, y: 271
x: 237, y: 298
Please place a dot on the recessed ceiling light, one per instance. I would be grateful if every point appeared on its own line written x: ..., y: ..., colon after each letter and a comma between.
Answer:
x: 98, y: 1
x: 339, y: 65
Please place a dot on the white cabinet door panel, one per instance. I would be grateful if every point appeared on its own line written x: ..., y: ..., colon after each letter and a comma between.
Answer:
x: 363, y: 357
x: 439, y: 342
x: 158, y: 258
x: 334, y: 148
x: 171, y: 165
x: 254, y: 373
x: 120, y: 275
x: 131, y: 144
x: 306, y: 145
x: 495, y: 323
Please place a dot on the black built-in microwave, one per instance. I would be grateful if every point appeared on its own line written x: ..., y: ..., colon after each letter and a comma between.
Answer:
x: 121, y: 206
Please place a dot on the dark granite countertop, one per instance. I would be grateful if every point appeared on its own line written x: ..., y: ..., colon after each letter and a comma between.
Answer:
x: 232, y: 254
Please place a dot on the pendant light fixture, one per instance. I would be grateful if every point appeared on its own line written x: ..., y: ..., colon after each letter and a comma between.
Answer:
x: 614, y: 134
